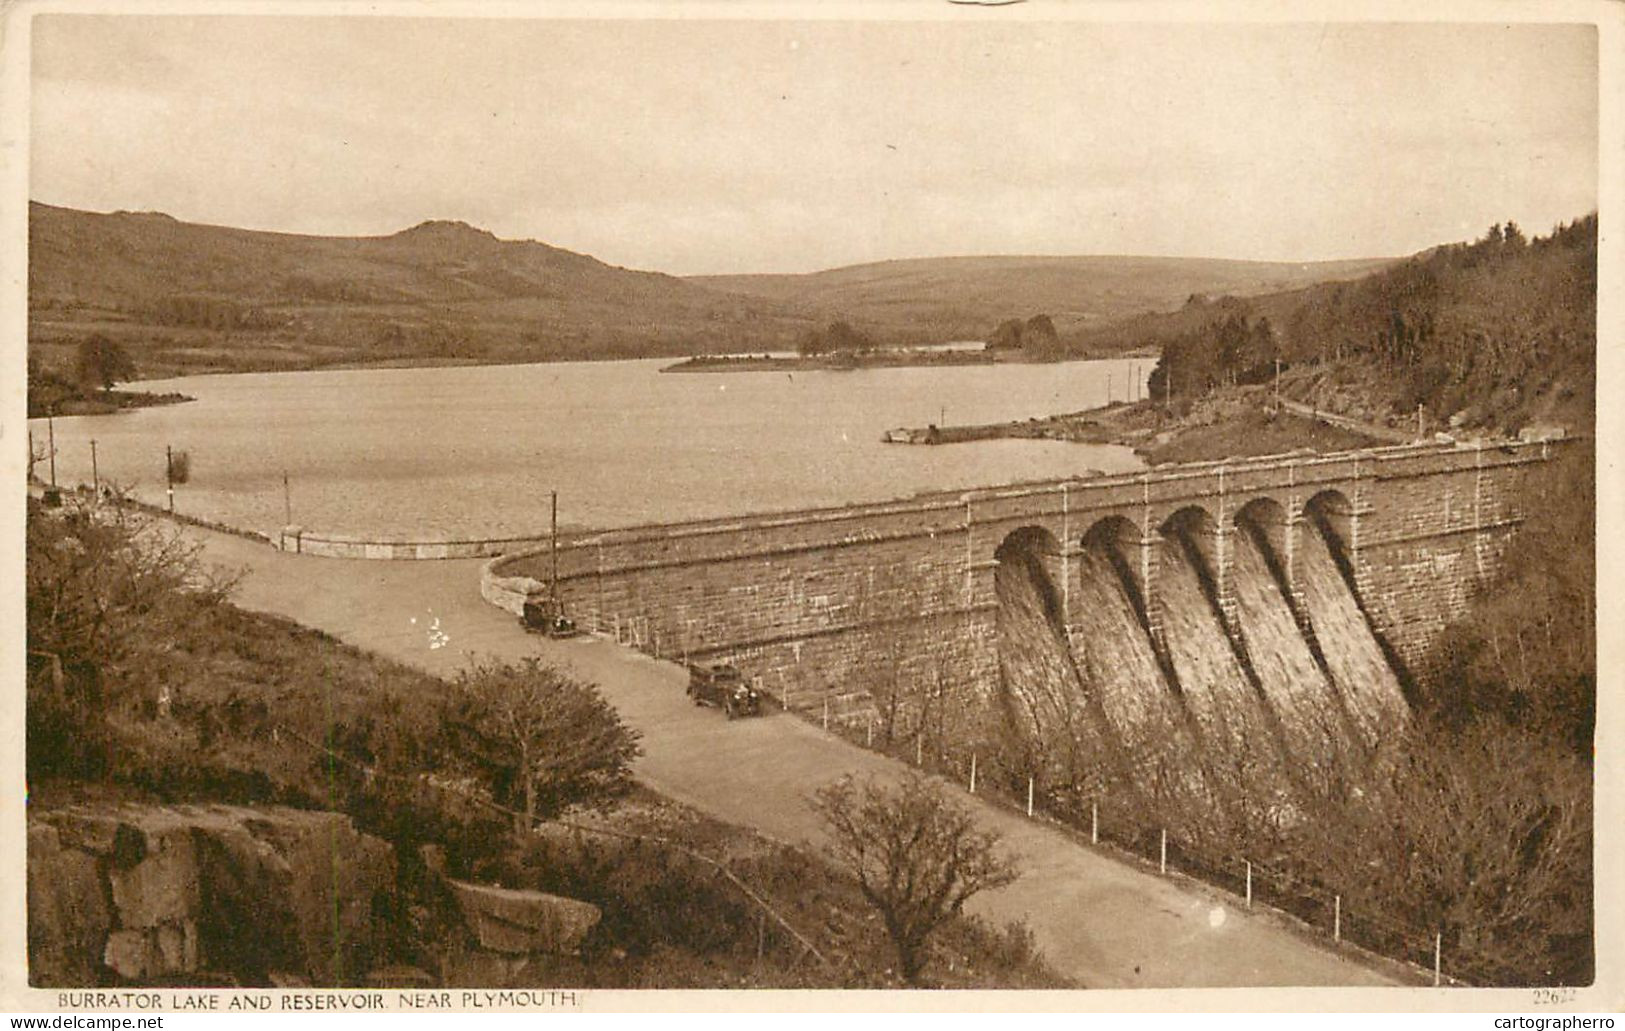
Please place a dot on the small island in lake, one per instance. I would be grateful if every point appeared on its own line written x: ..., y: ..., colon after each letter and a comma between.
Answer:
x: 840, y: 347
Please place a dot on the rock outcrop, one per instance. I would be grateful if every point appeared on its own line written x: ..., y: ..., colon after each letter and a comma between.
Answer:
x: 144, y: 894
x: 515, y: 922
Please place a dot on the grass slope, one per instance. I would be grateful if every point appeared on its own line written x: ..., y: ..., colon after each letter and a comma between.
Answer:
x: 965, y: 297
x: 185, y: 297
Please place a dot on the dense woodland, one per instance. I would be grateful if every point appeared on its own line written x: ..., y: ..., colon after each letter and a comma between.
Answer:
x: 1501, y: 330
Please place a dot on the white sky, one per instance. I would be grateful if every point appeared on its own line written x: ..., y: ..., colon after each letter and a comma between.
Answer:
x: 777, y: 146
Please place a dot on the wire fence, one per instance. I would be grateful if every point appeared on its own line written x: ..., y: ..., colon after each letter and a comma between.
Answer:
x: 1435, y: 956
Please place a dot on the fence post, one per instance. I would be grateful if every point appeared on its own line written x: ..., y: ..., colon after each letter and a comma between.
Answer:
x: 973, y: 773
x: 919, y: 749
x: 826, y: 708
x: 1029, y: 796
x: 1094, y: 823
x: 1249, y: 863
x: 1438, y: 949
x: 1163, y: 863
x: 1337, y: 918
x: 869, y: 733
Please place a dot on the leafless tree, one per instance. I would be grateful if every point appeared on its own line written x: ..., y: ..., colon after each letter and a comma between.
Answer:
x: 916, y: 853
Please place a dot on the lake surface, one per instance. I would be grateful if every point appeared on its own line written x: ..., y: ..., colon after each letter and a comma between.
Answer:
x: 472, y: 452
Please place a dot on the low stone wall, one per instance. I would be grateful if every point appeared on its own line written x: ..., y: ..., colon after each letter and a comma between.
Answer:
x: 332, y: 545
x: 506, y: 592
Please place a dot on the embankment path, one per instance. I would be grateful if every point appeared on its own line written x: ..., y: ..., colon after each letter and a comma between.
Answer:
x: 1102, y: 921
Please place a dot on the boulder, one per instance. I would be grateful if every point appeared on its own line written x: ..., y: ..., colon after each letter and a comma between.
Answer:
x: 153, y: 874
x: 516, y: 922
x: 68, y: 912
x: 158, y: 893
x: 153, y: 953
x: 1540, y: 432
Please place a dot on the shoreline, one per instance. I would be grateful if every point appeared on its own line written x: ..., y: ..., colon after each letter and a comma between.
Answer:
x: 878, y: 359
x: 831, y: 362
x: 111, y: 402
x: 1239, y: 424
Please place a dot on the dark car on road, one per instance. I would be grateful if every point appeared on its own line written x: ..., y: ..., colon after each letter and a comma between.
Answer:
x: 722, y: 685
x: 544, y: 614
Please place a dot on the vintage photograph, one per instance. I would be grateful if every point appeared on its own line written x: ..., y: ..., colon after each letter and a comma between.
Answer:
x: 928, y: 496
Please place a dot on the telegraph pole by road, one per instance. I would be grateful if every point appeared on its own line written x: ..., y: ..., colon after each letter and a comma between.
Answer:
x: 553, y: 585
x: 50, y: 428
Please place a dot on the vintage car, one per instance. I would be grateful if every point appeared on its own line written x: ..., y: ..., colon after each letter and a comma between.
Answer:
x: 721, y: 685
x: 544, y: 614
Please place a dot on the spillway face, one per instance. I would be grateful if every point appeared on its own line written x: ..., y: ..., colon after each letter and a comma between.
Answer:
x: 1251, y: 688
x: 1161, y: 765
x: 1359, y: 669
x: 1314, y: 728
x: 1241, y: 748
x: 1118, y: 660
x: 1053, y: 721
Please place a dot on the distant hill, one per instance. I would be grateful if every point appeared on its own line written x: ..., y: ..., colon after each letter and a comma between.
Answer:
x: 187, y: 297
x: 967, y: 297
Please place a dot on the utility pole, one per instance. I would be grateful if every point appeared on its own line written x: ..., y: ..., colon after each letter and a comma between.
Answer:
x: 1277, y: 383
x: 50, y: 428
x: 169, y: 475
x: 1419, y: 430
x: 553, y: 583
x: 95, y: 477
x: 287, y: 501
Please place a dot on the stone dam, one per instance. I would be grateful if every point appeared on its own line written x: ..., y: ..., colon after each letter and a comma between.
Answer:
x: 1265, y: 611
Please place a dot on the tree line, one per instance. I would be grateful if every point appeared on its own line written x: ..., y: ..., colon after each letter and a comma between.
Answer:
x: 1482, y: 325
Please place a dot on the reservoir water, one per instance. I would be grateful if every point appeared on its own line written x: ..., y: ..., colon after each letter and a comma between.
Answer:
x: 473, y: 451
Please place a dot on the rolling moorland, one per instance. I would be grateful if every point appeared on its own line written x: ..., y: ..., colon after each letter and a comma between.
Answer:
x: 964, y: 297
x: 185, y: 298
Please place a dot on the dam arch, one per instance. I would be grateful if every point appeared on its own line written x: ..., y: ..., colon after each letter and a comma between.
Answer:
x: 1039, y: 550
x: 1039, y: 699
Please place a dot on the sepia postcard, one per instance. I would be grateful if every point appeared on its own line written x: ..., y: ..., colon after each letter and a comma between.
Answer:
x: 920, y: 506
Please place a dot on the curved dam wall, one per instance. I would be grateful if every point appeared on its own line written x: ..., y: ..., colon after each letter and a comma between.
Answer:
x: 849, y: 610
x: 890, y: 611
